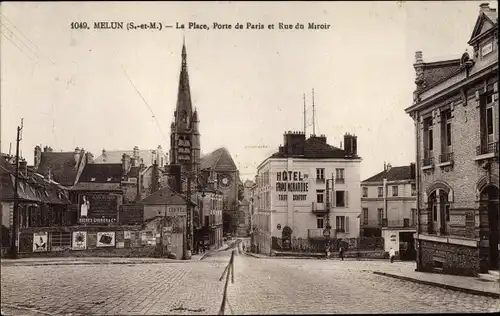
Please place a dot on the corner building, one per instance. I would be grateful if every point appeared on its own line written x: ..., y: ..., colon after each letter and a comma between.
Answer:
x: 455, y: 111
x: 296, y: 185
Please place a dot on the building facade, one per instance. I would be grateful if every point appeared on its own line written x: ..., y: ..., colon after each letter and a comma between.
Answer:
x: 138, y: 157
x: 219, y: 167
x: 388, y: 203
x: 296, y: 185
x: 455, y: 111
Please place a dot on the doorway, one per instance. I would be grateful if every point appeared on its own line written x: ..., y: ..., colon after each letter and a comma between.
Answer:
x: 489, y: 196
x: 407, y: 246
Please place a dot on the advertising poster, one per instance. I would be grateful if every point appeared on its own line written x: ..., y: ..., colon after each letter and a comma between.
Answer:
x: 97, y: 208
x: 106, y: 239
x: 79, y: 240
x: 40, y: 242
x: 126, y: 234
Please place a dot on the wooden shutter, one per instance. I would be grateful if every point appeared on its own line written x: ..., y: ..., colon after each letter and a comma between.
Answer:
x: 346, y: 200
x: 347, y: 223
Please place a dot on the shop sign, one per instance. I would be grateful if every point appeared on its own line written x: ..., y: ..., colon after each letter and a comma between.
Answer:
x: 40, y: 242
x: 105, y: 239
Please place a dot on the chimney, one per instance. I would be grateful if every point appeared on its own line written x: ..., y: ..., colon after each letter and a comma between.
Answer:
x: 354, y: 145
x: 385, y: 166
x: 89, y: 158
x: 412, y: 171
x: 77, y: 156
x: 389, y: 166
x: 484, y: 7
x: 348, y: 145
x: 419, y: 57
x: 125, y: 163
x: 23, y: 167
x: 104, y: 155
x: 38, y: 157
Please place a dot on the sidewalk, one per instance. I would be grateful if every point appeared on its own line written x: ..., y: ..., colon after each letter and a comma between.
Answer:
x: 470, y: 285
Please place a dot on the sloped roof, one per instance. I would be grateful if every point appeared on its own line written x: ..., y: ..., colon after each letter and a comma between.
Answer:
x: 393, y: 174
x: 102, y: 173
x: 134, y: 172
x: 62, y: 165
x: 218, y: 160
x: 489, y: 16
x: 115, y: 156
x: 314, y: 149
x: 164, y: 196
x: 90, y: 186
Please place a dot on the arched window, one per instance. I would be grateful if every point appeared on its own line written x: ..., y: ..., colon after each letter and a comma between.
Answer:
x: 438, y: 212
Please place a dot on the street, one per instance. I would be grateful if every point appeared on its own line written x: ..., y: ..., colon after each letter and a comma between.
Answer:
x: 262, y: 286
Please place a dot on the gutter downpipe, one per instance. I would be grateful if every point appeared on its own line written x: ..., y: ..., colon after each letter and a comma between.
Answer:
x: 417, y: 180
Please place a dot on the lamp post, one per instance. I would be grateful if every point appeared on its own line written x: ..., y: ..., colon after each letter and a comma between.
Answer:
x: 328, y: 228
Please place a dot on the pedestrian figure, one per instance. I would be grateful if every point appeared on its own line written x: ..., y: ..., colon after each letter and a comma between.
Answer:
x: 243, y: 247
x: 341, y: 253
x: 392, y: 254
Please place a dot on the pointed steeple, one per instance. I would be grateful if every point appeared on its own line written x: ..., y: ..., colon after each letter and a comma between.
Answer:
x: 184, y: 107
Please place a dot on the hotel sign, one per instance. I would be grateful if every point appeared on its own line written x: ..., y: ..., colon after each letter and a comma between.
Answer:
x: 292, y: 181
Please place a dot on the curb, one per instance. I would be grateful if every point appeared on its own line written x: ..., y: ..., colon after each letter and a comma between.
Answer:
x: 441, y: 285
x: 29, y: 264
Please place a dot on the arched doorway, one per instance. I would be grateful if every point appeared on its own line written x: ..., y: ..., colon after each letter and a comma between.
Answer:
x: 489, y: 203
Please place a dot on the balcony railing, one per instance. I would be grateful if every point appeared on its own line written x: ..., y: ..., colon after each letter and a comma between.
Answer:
x: 319, y: 208
x: 316, y: 233
x: 339, y: 180
x: 484, y: 149
x: 371, y: 223
x: 320, y: 180
x: 399, y: 223
x: 428, y: 161
x: 446, y: 157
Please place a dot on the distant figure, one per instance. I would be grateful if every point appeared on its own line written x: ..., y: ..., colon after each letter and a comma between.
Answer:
x: 84, y: 208
x: 341, y: 253
x: 243, y: 247
x: 392, y: 254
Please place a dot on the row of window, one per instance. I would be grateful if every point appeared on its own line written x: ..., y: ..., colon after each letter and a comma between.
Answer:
x: 487, y: 128
x: 380, y: 216
x: 340, y: 198
x: 341, y: 223
x: 395, y: 191
x: 339, y: 173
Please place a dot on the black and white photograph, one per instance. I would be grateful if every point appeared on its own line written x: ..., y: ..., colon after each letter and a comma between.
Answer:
x: 249, y: 158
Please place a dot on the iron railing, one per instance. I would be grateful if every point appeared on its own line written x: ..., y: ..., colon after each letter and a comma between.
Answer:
x: 229, y: 270
x: 491, y: 148
x: 339, y: 180
x: 428, y: 161
x: 446, y: 157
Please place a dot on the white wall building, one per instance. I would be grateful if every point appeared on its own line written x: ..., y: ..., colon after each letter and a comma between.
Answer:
x: 388, y: 202
x: 292, y: 188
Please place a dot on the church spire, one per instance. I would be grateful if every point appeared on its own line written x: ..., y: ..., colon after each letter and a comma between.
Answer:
x: 184, y: 107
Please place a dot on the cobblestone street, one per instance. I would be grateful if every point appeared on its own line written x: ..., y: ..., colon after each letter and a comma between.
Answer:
x: 262, y: 286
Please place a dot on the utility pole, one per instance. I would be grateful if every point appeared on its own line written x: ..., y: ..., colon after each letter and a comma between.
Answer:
x: 305, y: 118
x: 15, y: 213
x: 314, y: 114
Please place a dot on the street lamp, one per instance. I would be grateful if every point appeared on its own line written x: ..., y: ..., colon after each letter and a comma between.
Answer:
x: 328, y: 228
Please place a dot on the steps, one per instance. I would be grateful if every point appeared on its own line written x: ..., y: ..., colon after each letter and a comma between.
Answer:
x: 491, y: 276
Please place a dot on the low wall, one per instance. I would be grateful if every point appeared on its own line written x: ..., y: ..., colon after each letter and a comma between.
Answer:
x: 362, y: 254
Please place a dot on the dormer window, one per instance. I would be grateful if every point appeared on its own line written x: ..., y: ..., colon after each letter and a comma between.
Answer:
x: 92, y: 179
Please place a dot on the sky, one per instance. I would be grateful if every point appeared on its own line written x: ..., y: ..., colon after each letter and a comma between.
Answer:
x: 116, y: 89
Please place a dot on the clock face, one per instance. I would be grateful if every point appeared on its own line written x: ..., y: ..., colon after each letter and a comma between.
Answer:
x: 225, y: 180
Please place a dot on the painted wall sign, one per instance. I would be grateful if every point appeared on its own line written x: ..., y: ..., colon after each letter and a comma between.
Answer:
x: 97, y: 208
x: 176, y: 211
x: 79, y: 240
x: 105, y: 239
x: 291, y: 181
x: 40, y: 242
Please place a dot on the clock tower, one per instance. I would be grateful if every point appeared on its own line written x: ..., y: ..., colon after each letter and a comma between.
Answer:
x: 184, y: 132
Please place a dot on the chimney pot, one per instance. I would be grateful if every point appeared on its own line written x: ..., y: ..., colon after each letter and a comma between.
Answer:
x: 484, y: 5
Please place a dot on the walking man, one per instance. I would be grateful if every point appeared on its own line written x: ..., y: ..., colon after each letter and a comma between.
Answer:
x: 392, y: 254
x: 341, y: 253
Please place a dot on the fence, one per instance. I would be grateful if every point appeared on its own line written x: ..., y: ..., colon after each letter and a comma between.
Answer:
x: 308, y: 245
